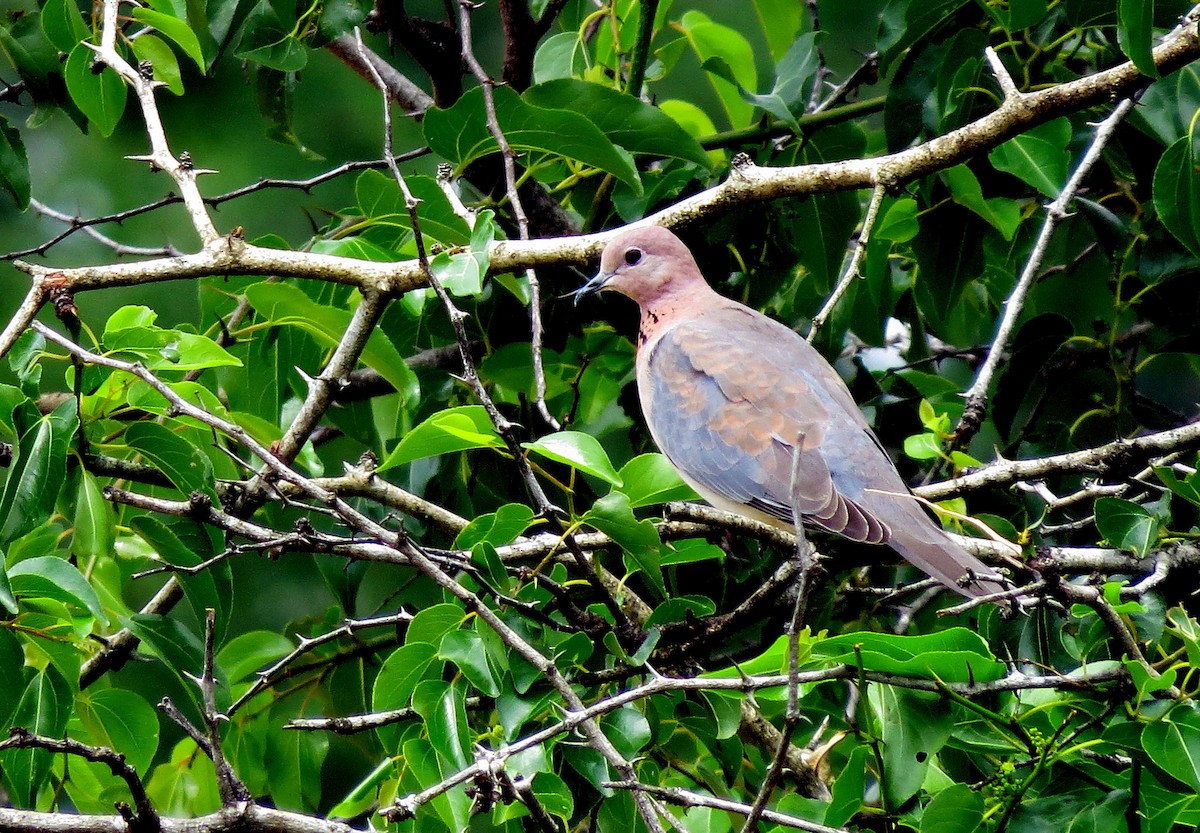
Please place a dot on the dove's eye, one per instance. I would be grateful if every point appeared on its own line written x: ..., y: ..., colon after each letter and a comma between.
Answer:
x: 633, y: 256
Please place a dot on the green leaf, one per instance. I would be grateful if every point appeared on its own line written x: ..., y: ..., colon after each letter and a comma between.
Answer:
x: 14, y: 164
x: 185, y: 465
x: 461, y: 272
x: 466, y: 650
x: 433, y: 623
x: 8, y: 601
x: 63, y: 25
x: 849, y: 790
x: 727, y: 709
x: 629, y: 122
x: 563, y: 55
x: 379, y: 199
x: 497, y: 528
x: 95, y: 524
x: 956, y: 809
x: 201, y: 589
x: 1135, y: 34
x: 650, y: 479
x: 1002, y: 214
x: 43, y: 709
x: 121, y: 720
x: 246, y: 653
x: 36, y: 474
x: 710, y: 41
x: 287, y: 305
x: 275, y: 93
x: 639, y: 539
x: 460, y: 134
x: 1173, y: 743
x: 443, y: 707
x: 898, y: 223
x: 294, y: 775
x: 1126, y: 525
x: 1039, y: 157
x: 780, y: 21
x: 915, y: 726
x: 180, y: 650
x: 174, y: 29
x: 50, y: 577
x: 132, y: 330
x: 99, y: 96
x: 402, y: 670
x: 952, y: 655
x: 554, y: 794
x: 147, y: 47
x: 579, y: 451
x: 454, y: 429
x: 1177, y: 192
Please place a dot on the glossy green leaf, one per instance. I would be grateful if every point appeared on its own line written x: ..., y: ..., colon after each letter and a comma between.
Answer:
x: 95, y: 524
x: 121, y: 720
x: 202, y: 589
x: 247, y: 653
x: 454, y: 429
x: 1002, y: 214
x: 1126, y: 525
x: 466, y: 650
x: 562, y: 55
x: 1177, y: 192
x: 295, y: 772
x: 1173, y: 743
x: 849, y: 790
x: 37, y: 472
x: 174, y: 29
x: 50, y: 577
x: 1135, y: 34
x: 100, y: 96
x: 179, y: 649
x: 442, y: 706
x: 956, y: 809
x: 14, y: 164
x: 650, y: 479
x: 132, y: 330
x: 727, y: 710
x: 627, y: 121
x: 8, y: 600
x: 952, y: 655
x: 43, y: 709
x: 639, y: 539
x: 1039, y: 157
x: 460, y: 134
x: 286, y: 305
x: 434, y: 622
x: 398, y: 678
x: 147, y: 47
x: 497, y: 528
x: 63, y: 25
x: 381, y: 202
x: 579, y: 451
x: 915, y: 726
x: 185, y: 465
x: 711, y: 41
x: 461, y: 272
x: 780, y: 20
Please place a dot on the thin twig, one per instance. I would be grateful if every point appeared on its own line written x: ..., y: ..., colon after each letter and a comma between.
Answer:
x: 851, y: 270
x: 1014, y: 305
x: 509, y: 156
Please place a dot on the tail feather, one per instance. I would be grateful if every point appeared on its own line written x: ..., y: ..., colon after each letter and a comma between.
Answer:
x: 927, y: 546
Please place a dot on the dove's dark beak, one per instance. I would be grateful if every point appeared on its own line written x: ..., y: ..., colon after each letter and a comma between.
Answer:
x: 593, y: 286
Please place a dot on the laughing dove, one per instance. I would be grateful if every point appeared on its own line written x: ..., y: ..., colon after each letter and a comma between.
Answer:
x: 731, y: 396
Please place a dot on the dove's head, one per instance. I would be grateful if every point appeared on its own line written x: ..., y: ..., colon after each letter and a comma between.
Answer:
x: 649, y: 265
